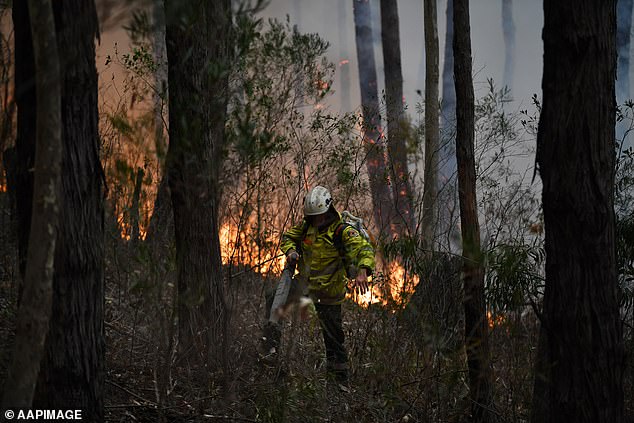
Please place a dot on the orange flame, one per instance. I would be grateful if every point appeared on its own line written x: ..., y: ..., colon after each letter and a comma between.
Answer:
x: 344, y: 62
x: 400, y: 287
x: 239, y: 247
x: 496, y: 320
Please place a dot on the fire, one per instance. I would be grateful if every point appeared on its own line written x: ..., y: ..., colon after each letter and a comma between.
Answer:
x: 496, y: 320
x: 125, y: 227
x: 396, y: 284
x: 344, y: 62
x: 239, y: 247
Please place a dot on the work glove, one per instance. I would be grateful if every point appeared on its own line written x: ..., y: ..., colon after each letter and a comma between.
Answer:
x: 360, y: 284
x: 292, y: 256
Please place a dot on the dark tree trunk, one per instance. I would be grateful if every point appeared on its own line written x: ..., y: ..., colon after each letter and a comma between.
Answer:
x: 508, y: 28
x: 35, y: 307
x: 71, y: 375
x: 25, y: 141
x: 72, y: 370
x: 160, y: 230
x: 447, y: 168
x: 396, y: 121
x: 476, y: 330
x: 135, y: 212
x: 584, y: 352
x: 198, y: 57
x: 432, y: 130
x: 372, y: 141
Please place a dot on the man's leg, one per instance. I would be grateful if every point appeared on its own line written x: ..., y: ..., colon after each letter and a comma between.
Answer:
x: 332, y: 329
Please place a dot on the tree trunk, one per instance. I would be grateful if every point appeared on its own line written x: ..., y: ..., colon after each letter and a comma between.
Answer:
x: 432, y: 130
x: 160, y: 232
x: 584, y: 352
x: 447, y: 167
x: 24, y: 77
x: 344, y: 59
x: 396, y: 122
x: 508, y: 28
x: 623, y: 37
x: 71, y: 374
x: 198, y: 57
x: 135, y: 212
x: 374, y: 145
x: 35, y: 307
x: 476, y: 330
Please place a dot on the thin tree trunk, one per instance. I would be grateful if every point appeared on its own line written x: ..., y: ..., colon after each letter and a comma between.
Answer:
x: 447, y: 167
x: 344, y: 59
x: 508, y: 29
x: 198, y: 57
x: 582, y: 379
x: 135, y: 213
x: 35, y: 306
x: 476, y: 330
x: 623, y: 37
x: 432, y: 130
x: 160, y: 232
x: 396, y: 122
x: 374, y: 145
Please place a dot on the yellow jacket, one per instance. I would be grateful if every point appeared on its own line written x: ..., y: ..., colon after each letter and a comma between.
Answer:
x: 320, y: 265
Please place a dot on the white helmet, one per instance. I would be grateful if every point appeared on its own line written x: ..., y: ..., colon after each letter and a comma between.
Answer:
x: 317, y: 201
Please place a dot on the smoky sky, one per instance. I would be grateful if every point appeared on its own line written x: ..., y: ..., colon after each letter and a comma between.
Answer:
x: 487, y: 41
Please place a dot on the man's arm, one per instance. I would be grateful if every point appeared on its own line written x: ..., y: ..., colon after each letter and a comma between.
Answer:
x: 360, y: 252
x: 292, y: 239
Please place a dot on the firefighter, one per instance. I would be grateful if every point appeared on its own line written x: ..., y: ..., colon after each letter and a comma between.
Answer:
x: 329, y: 253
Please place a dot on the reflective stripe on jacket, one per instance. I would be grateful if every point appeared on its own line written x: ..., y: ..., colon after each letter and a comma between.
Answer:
x: 320, y: 264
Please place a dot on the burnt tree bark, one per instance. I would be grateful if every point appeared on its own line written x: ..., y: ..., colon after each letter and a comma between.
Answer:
x: 582, y: 349
x: 432, y: 128
x: 197, y: 36
x: 35, y: 306
x: 476, y: 330
x: 396, y: 121
x: 373, y: 144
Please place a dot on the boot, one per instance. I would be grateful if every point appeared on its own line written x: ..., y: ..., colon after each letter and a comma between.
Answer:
x: 271, y: 338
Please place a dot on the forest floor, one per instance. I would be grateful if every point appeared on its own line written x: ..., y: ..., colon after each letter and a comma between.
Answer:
x: 396, y: 374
